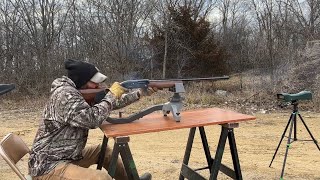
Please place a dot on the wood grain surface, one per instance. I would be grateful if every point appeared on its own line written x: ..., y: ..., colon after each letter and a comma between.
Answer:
x: 156, y: 122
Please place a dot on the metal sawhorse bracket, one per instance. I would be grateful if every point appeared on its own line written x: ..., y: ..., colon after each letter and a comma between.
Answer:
x: 214, y: 165
x: 121, y: 147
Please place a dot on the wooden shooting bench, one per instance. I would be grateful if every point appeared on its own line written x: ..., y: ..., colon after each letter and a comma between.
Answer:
x: 192, y: 119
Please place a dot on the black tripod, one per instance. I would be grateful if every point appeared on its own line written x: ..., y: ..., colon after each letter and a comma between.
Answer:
x: 293, y: 126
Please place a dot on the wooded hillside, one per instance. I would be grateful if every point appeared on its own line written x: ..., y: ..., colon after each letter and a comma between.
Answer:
x: 161, y: 39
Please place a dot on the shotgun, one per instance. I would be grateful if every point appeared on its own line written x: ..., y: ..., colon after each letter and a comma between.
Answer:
x: 93, y: 96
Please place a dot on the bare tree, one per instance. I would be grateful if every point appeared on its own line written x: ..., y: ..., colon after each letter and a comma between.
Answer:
x: 120, y: 26
x: 307, y: 13
x: 163, y: 20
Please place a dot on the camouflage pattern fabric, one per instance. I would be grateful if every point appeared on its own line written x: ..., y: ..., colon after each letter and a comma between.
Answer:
x: 63, y: 129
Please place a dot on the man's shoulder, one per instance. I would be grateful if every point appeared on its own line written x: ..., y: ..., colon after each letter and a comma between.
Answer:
x: 67, y: 91
x: 63, y: 90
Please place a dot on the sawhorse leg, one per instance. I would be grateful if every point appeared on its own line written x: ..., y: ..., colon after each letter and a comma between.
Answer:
x: 214, y: 165
x: 187, y: 172
x: 121, y: 147
x: 226, y: 132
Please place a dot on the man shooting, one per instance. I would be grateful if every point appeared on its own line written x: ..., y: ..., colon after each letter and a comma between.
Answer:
x: 59, y: 151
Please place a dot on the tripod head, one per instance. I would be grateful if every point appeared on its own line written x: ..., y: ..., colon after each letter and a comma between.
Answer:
x: 293, y: 98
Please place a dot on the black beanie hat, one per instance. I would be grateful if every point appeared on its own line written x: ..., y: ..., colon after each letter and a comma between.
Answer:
x: 79, y: 72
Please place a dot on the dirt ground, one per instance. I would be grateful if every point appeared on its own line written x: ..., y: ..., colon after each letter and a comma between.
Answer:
x: 161, y: 153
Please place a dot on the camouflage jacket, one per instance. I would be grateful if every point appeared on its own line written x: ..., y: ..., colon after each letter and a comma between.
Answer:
x: 63, y: 129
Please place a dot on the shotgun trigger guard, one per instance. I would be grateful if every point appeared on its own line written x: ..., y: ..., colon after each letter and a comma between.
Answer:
x: 99, y: 96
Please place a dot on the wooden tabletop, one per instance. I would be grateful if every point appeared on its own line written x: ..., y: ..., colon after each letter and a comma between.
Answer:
x: 156, y: 122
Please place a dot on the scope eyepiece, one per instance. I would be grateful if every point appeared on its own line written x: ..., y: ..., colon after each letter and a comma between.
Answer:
x: 303, y: 95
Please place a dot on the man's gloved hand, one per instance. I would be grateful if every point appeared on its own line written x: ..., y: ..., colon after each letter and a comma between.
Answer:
x: 147, y: 92
x: 117, y: 90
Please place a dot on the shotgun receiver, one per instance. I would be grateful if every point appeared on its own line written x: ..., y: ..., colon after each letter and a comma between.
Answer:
x: 93, y: 96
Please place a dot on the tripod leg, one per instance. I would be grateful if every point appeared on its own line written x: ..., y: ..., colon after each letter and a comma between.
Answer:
x: 305, y: 125
x: 295, y: 126
x: 283, y: 134
x: 287, y: 149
